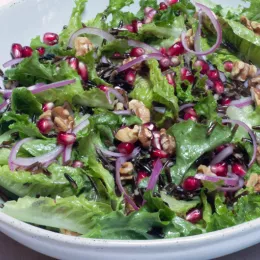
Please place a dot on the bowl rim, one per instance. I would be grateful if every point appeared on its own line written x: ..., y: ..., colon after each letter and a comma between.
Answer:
x: 58, y: 237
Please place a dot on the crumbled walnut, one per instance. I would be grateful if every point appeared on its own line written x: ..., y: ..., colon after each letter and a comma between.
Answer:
x: 126, y: 168
x: 190, y: 39
x: 140, y: 110
x: 145, y: 136
x: 167, y: 142
x: 46, y: 115
x: 127, y: 134
x: 69, y: 233
x: 119, y: 106
x: 254, y: 181
x: 82, y: 45
x: 204, y: 169
x: 62, y: 119
x: 251, y: 25
x: 254, y: 82
x: 256, y: 95
x: 242, y: 71
x: 136, y: 66
x: 258, y: 155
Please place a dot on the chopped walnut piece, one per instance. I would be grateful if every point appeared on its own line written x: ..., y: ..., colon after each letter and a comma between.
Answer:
x: 82, y: 45
x: 254, y: 181
x: 256, y: 95
x: 119, y: 106
x: 136, y: 66
x: 251, y: 25
x: 255, y: 81
x: 190, y: 39
x: 127, y: 134
x: 145, y: 136
x: 204, y: 169
x: 69, y: 233
x: 126, y: 168
x: 242, y: 71
x: 62, y: 119
x: 167, y: 142
x: 140, y: 110
x: 46, y: 115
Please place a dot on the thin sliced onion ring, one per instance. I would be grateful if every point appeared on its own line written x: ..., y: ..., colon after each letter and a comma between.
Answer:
x: 250, y: 132
x: 12, y: 62
x: 217, y: 27
x: 90, y: 30
x: 221, y: 156
x: 155, y: 175
x: 143, y: 45
x: 123, y: 112
x: 242, y: 102
x: 233, y: 189
x: 116, y: 94
x: 4, y: 104
x: 110, y: 154
x: 186, y: 106
x: 138, y: 60
x: 229, y: 181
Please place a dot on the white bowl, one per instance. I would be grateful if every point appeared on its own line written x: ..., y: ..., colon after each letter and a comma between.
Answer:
x: 22, y: 20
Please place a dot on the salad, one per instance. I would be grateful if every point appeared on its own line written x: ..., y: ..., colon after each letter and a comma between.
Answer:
x: 135, y: 126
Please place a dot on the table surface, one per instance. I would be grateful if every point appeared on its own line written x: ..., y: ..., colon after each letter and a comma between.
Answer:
x: 11, y: 250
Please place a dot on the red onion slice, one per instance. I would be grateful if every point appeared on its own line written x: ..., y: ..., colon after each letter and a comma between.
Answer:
x: 233, y: 189
x: 155, y: 175
x: 183, y: 107
x: 123, y: 112
x: 143, y: 45
x: 243, y: 102
x: 110, y: 154
x: 140, y: 59
x: 221, y: 156
x: 4, y: 104
x: 250, y: 132
x: 116, y: 94
x: 119, y: 162
x: 12, y: 62
x: 229, y: 181
x: 217, y: 27
x: 90, y: 30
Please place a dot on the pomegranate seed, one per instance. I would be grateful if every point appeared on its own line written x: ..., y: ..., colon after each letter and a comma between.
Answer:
x: 130, y: 76
x: 203, y: 65
x: 213, y: 75
x: 163, y: 51
x: 44, y: 125
x: 17, y: 50
x: 226, y: 101
x: 165, y: 63
x: 170, y: 79
x: 141, y: 176
x: 117, y: 55
x: 41, y: 51
x: 66, y: 138
x: 163, y: 6
x: 191, y: 114
x: 187, y: 75
x: 220, y: 169
x: 50, y: 38
x: 47, y: 106
x: 83, y: 71
x: 103, y: 88
x: 27, y: 51
x: 228, y: 66
x: 219, y: 87
x: 194, y: 215
x: 175, y: 61
x: 156, y: 153
x: 156, y: 140
x: 77, y: 164
x: 191, y: 184
x: 136, y: 25
x: 176, y: 49
x: 73, y: 62
x: 129, y: 27
x: 238, y: 169
x: 220, y: 148
x: 172, y: 2
x: 150, y: 126
x: 125, y: 148
x: 137, y: 52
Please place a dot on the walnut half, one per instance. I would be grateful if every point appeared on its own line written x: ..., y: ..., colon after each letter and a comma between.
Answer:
x: 140, y: 110
x: 128, y: 135
x: 62, y: 119
x: 167, y: 142
x: 251, y: 25
x: 82, y: 45
x: 242, y: 71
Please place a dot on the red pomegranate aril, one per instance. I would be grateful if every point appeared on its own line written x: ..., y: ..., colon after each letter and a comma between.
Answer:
x: 188, y: 116
x: 165, y: 63
x: 156, y: 141
x: 194, y: 215
x: 45, y: 125
x: 219, y: 87
x: 163, y: 6
x: 213, y: 75
x: 191, y: 184
x: 226, y: 101
x: 170, y: 79
x: 74, y: 63
x: 41, y: 51
x: 27, y: 51
x: 220, y: 169
x: 187, y: 75
x: 125, y: 148
x: 137, y: 52
x: 66, y: 138
x: 238, y: 169
x: 176, y: 49
x: 163, y: 51
x: 141, y: 175
x: 83, y: 71
x: 77, y: 164
x: 17, y: 51
x: 129, y: 27
x: 150, y: 126
x: 47, y: 106
x: 50, y: 38
x: 103, y: 88
x: 228, y: 66
x: 130, y: 76
x: 203, y: 65
x: 136, y: 25
x: 172, y: 2
x: 156, y: 153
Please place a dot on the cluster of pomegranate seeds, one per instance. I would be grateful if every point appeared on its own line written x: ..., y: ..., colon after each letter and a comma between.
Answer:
x: 220, y: 169
x: 141, y: 175
x: 47, y: 106
x: 50, y: 38
x: 194, y: 215
x: 238, y: 169
x: 18, y: 51
x: 228, y: 66
x: 191, y: 184
x: 137, y: 52
x: 125, y: 148
x: 45, y: 126
x: 186, y: 74
x: 130, y: 76
x: 77, y: 164
x: 66, y: 138
x: 176, y: 49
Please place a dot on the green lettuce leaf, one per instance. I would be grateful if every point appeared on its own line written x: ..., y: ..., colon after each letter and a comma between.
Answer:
x: 72, y: 213
x: 116, y: 5
x: 4, y: 155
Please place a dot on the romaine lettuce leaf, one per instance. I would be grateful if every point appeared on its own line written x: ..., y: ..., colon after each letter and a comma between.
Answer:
x: 4, y: 155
